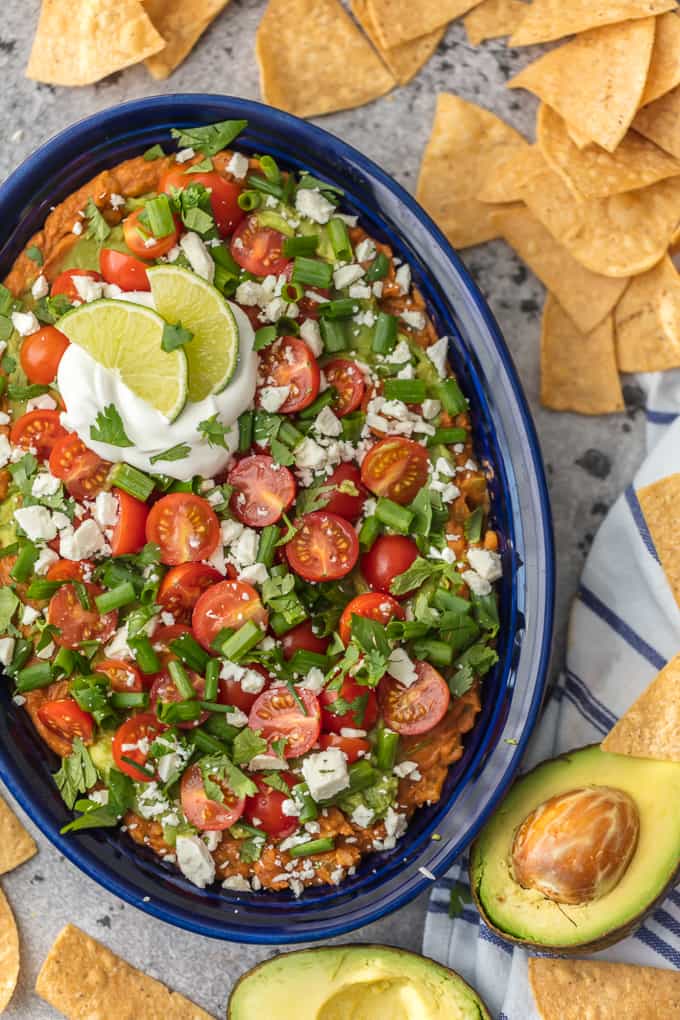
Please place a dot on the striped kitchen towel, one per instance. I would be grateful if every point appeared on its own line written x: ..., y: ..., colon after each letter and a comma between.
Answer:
x: 624, y: 627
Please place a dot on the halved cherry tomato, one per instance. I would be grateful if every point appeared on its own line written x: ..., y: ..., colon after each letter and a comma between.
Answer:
x: 263, y: 490
x: 303, y: 638
x: 223, y: 195
x: 83, y: 473
x: 324, y: 548
x: 309, y: 308
x: 231, y: 692
x: 346, y: 377
x: 373, y: 606
x: 129, y: 532
x: 127, y: 753
x: 228, y: 604
x: 346, y: 504
x: 162, y: 636
x: 185, y: 526
x: 68, y: 719
x: 125, y: 271
x: 64, y: 283
x: 75, y: 623
x: 353, y: 747
x: 363, y: 714
x: 182, y: 586
x: 396, y: 468
x: 163, y: 690
x: 41, y: 353
x: 416, y: 709
x: 69, y: 570
x: 136, y: 236
x: 208, y: 815
x: 258, y: 249
x: 289, y: 362
x: 389, y: 556
x: 266, y: 807
x: 37, y: 429
x: 277, y: 715
x: 123, y: 676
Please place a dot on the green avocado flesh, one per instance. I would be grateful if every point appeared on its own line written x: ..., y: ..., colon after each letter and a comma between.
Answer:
x: 84, y: 254
x: 354, y: 983
x: 526, y: 914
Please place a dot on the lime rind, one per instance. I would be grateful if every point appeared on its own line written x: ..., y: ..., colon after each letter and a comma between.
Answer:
x: 126, y: 338
x: 212, y: 353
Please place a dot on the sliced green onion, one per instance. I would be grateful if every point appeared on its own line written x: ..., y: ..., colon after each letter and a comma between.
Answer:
x: 145, y: 769
x: 385, y: 336
x: 245, y: 431
x: 249, y: 200
x: 270, y: 169
x: 266, y: 549
x: 339, y: 238
x: 447, y: 602
x: 81, y: 594
x: 159, y: 216
x: 296, y: 697
x: 294, y: 246
x: 181, y: 680
x: 292, y: 291
x: 341, y: 308
x: 129, y: 699
x: 315, y: 846
x: 302, y: 661
x: 9, y: 550
x: 121, y: 595
x: 132, y: 481
x: 242, y: 641
x: 23, y: 568
x: 394, y: 516
x: 386, y: 748
x: 39, y: 589
x: 281, y: 623
x: 436, y: 652
x: 451, y: 396
x: 212, y: 674
x: 64, y: 662
x: 448, y: 437
x: 145, y: 655
x: 32, y: 677
x: 361, y: 775
x: 324, y: 399
x: 190, y: 652
x: 368, y: 533
x: 303, y: 798
x: 409, y: 391
x: 312, y: 272
x: 178, y: 711
x: 289, y: 435
x: 215, y: 706
x: 378, y: 269
x: 334, y: 336
x: 206, y: 743
x: 262, y: 184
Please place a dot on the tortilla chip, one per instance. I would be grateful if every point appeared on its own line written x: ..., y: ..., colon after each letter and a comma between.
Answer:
x: 465, y: 144
x: 622, y: 235
x: 553, y: 19
x: 586, y: 297
x: 578, y: 370
x: 651, y: 726
x: 397, y: 21
x: 593, y: 172
x: 595, y: 81
x: 505, y: 181
x: 82, y: 978
x: 578, y: 138
x: 80, y: 47
x: 647, y: 321
x: 576, y: 989
x: 660, y: 122
x: 9, y: 953
x: 406, y: 59
x: 493, y: 18
x: 16, y: 845
x: 660, y: 504
x: 664, y: 67
x: 314, y: 60
x: 181, y: 24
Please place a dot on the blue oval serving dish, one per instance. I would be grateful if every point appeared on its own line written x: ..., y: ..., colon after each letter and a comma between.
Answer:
x: 506, y: 444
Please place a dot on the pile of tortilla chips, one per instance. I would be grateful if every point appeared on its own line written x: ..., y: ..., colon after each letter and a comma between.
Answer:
x: 593, y: 206
x: 81, y: 47
x: 16, y: 847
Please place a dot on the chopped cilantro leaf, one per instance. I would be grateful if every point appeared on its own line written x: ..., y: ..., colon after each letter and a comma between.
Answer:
x: 178, y: 452
x: 77, y: 773
x: 204, y: 167
x: 175, y: 336
x: 155, y: 152
x: 214, y: 431
x: 108, y: 428
x: 212, y: 138
x: 35, y: 255
x: 8, y: 606
x: 98, y: 229
x: 246, y: 745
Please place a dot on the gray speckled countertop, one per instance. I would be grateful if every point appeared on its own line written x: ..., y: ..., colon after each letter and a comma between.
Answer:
x: 589, y: 461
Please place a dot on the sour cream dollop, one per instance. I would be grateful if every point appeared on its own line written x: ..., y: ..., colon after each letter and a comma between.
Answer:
x: 87, y: 388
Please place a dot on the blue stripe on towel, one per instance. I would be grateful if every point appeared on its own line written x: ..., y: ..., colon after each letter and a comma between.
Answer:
x: 597, y: 709
x: 660, y: 417
x: 652, y: 940
x: 640, y: 522
x: 620, y: 627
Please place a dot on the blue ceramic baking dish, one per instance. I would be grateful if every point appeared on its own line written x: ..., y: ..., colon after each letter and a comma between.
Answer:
x: 506, y: 444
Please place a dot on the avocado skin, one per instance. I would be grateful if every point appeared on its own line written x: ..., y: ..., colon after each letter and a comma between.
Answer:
x: 608, y: 939
x: 359, y: 949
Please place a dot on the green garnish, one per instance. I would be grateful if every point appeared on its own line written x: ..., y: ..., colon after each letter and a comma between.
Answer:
x: 212, y: 138
x: 108, y: 428
x: 214, y: 431
x: 178, y: 452
x: 98, y: 229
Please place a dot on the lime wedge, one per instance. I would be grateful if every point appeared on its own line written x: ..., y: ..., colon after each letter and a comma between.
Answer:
x: 212, y: 354
x: 126, y: 338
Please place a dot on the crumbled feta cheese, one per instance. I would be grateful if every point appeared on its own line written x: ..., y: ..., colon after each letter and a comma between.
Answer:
x: 365, y: 250
x: 116, y: 201
x: 309, y: 454
x: 44, y: 484
x: 477, y: 585
x: 311, y: 334
x: 289, y: 808
x: 212, y: 840
x: 199, y: 257
x: 42, y: 403
x: 311, y: 203
x: 236, y: 883
x: 401, y: 667
x: 314, y: 680
x: 237, y: 718
x: 431, y: 408
x: 401, y: 353
x: 352, y: 733
x: 184, y: 155
x: 486, y: 563
x: 86, y: 541
x: 403, y: 278
x: 118, y: 647
x: 362, y: 816
x: 347, y: 275
x: 36, y: 522
x: 238, y: 166
x: 395, y: 823
x: 25, y: 323
x: 5, y: 450
x: 405, y: 768
x: 99, y: 796
x: 251, y: 681
x: 244, y: 549
x: 87, y: 288
x: 266, y: 761
x: 257, y: 573
x: 6, y: 650
x: 46, y: 558
x: 77, y: 228
x: 326, y: 773
x: 194, y: 860
x: 106, y: 510
x: 230, y: 531
x: 29, y: 616
x: 40, y: 287
x: 274, y: 397
x: 4, y: 417
x: 438, y: 354
x: 47, y: 652
x: 360, y: 291
x: 327, y: 423
x: 413, y: 318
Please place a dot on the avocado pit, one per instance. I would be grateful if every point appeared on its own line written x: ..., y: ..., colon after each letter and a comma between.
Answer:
x: 576, y: 846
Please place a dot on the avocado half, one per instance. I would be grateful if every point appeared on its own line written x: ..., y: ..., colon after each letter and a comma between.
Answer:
x: 363, y: 982
x: 528, y: 918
